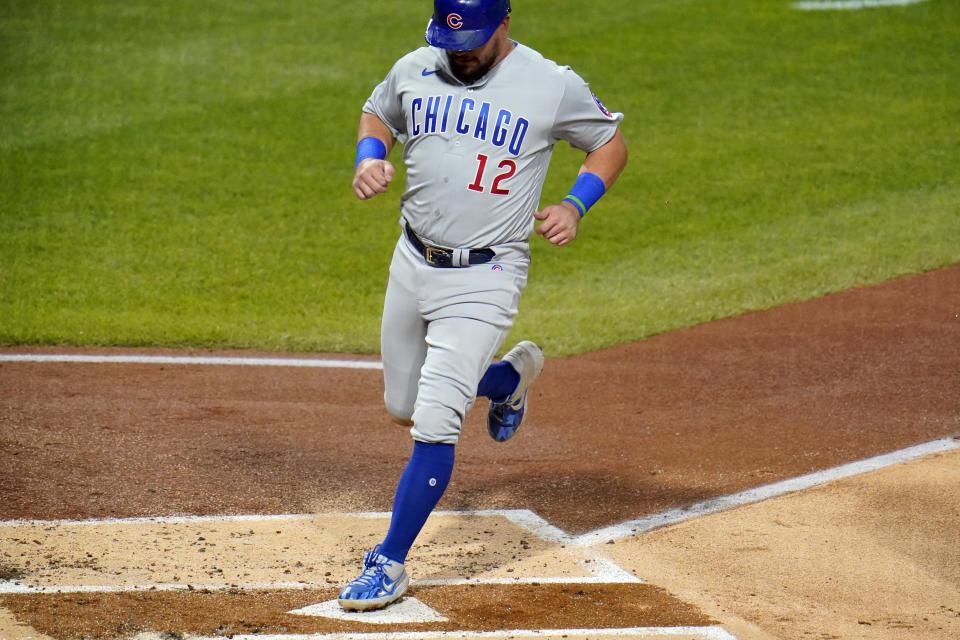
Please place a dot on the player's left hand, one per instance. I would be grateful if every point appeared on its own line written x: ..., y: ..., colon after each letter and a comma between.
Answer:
x: 558, y: 223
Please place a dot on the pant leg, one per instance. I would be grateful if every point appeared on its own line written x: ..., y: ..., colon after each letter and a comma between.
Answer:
x: 458, y: 352
x: 469, y: 312
x: 403, y: 333
x: 440, y: 331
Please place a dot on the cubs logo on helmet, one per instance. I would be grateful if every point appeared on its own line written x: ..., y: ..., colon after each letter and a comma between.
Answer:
x: 462, y: 25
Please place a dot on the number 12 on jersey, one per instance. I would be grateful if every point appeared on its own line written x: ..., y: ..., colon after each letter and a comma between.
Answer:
x: 507, y: 169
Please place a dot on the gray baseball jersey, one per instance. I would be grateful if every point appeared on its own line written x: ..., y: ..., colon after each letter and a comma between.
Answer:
x: 477, y: 155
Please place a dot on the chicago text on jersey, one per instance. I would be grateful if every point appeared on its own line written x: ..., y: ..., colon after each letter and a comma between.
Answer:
x: 435, y: 117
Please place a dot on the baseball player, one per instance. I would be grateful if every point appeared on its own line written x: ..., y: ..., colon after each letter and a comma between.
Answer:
x: 478, y: 115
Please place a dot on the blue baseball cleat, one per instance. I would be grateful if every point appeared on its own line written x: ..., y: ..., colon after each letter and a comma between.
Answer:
x: 382, y: 582
x: 505, y: 416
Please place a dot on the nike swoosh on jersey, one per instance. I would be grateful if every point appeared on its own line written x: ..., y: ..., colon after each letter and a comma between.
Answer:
x: 427, y: 72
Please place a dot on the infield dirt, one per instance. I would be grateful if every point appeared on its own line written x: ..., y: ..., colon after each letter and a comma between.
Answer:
x: 613, y: 435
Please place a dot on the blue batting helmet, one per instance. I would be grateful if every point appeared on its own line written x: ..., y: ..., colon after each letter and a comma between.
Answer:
x: 461, y: 25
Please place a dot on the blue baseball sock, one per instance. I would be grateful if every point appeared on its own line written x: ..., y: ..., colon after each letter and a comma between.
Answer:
x: 500, y: 380
x: 420, y: 488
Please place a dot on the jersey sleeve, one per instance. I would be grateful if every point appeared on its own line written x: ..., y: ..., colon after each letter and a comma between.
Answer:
x: 386, y: 104
x: 581, y: 118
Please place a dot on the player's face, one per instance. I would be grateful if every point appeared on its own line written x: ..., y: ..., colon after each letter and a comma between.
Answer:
x: 472, y: 65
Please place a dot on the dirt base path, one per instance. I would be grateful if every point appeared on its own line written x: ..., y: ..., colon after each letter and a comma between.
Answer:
x: 613, y: 435
x: 874, y: 556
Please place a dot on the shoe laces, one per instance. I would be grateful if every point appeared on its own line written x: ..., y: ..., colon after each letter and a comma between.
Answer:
x: 506, y: 411
x: 372, y: 576
x: 374, y: 568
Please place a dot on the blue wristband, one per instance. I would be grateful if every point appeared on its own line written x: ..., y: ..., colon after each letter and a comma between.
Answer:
x: 588, y: 188
x: 370, y: 147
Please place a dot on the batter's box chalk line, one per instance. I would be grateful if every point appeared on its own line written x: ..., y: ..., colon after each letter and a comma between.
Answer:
x: 699, y: 633
x: 591, y: 566
x: 600, y: 568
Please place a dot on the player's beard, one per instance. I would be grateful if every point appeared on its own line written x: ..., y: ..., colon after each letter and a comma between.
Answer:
x: 468, y: 66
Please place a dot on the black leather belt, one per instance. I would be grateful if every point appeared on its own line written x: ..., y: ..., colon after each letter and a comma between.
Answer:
x: 443, y: 258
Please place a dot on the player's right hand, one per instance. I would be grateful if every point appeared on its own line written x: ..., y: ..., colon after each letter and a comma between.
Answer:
x: 372, y: 177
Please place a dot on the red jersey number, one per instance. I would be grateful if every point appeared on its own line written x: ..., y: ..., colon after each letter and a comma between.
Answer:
x: 507, y: 169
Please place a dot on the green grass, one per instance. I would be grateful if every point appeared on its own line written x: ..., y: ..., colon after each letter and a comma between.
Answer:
x: 178, y: 173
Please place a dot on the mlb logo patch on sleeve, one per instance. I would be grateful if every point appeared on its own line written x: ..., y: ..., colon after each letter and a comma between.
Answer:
x: 603, y: 109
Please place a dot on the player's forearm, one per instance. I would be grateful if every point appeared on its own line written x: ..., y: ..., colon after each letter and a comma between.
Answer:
x: 372, y: 127
x: 372, y: 171
x: 608, y: 161
x: 600, y: 169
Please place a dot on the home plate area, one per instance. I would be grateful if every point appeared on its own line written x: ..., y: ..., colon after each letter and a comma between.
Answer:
x: 476, y: 574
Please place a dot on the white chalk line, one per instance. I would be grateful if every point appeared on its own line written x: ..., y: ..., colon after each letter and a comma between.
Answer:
x: 704, y: 633
x: 191, y: 360
x: 602, y: 569
x: 791, y: 485
x: 168, y: 519
x: 15, y: 588
x: 608, y: 570
x: 851, y: 5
